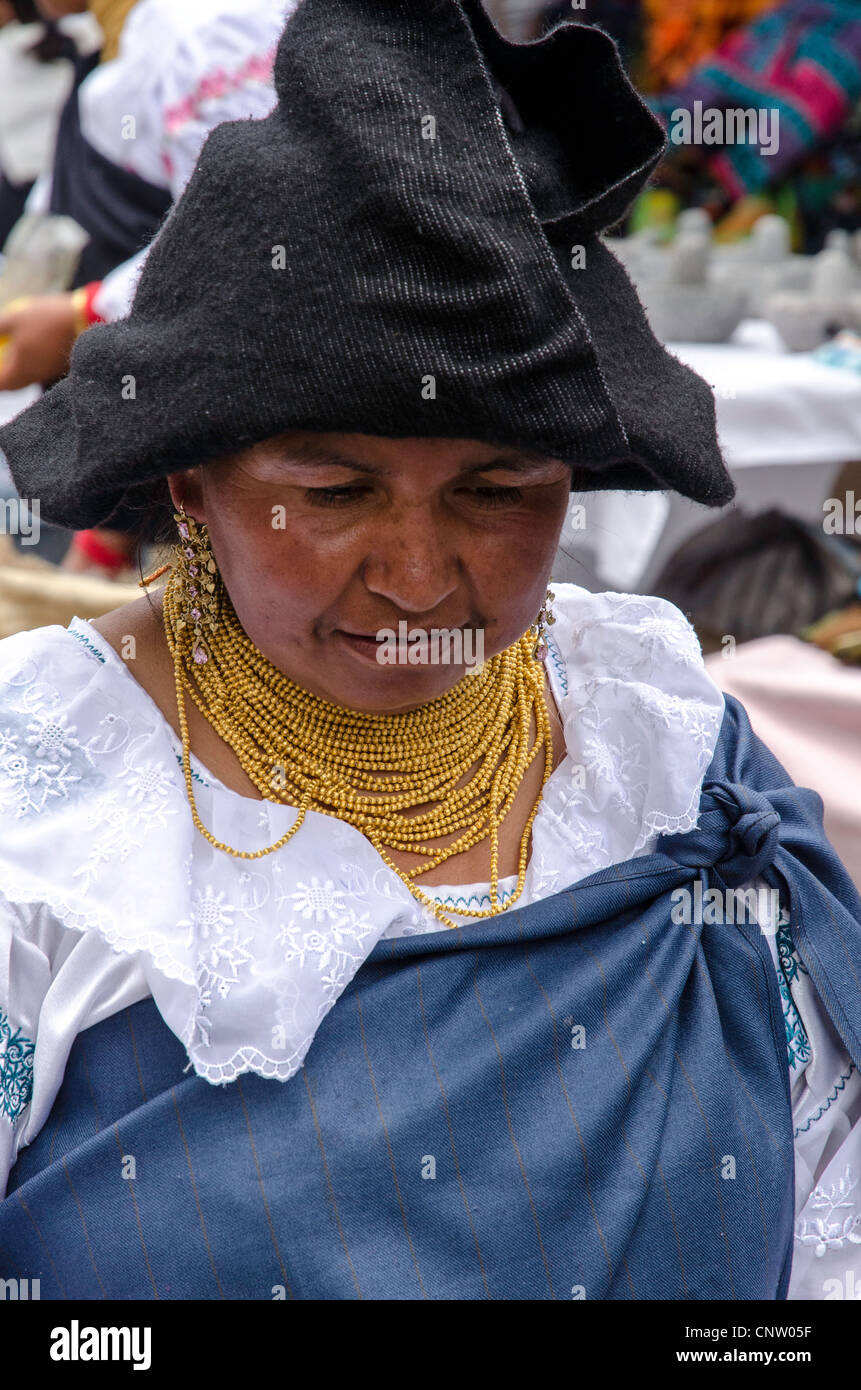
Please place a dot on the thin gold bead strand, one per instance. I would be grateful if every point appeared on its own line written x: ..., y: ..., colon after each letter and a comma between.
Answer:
x: 186, y: 767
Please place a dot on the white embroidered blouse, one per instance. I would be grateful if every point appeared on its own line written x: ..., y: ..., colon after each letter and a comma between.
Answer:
x: 109, y: 894
x: 182, y: 68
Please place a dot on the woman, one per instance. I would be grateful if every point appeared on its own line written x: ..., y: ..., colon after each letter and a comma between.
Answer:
x: 36, y: 73
x: 128, y: 141
x: 329, y: 977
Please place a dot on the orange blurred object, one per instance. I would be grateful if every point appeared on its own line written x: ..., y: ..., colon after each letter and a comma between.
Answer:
x: 740, y: 219
x: 678, y: 33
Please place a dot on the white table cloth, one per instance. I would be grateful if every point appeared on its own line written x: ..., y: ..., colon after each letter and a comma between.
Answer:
x: 787, y: 424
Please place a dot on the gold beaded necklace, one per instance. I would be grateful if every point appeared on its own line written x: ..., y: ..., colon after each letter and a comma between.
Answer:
x: 369, y: 769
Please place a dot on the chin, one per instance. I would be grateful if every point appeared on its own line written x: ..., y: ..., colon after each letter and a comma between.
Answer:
x: 391, y: 689
x: 350, y: 673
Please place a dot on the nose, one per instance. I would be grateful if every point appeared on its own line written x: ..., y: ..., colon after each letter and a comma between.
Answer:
x: 414, y: 563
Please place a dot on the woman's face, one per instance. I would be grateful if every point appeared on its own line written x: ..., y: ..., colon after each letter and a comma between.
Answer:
x: 325, y: 540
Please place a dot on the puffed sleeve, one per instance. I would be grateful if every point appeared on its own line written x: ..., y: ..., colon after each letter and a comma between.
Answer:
x: 25, y: 977
x: 54, y: 982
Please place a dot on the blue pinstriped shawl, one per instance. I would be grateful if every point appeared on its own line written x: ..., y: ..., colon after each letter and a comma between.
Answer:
x: 444, y: 1138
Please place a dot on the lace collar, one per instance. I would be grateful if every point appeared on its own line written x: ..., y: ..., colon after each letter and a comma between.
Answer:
x: 244, y: 959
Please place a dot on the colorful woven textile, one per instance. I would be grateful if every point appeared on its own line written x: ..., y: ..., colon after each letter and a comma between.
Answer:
x: 682, y: 33
x: 801, y: 63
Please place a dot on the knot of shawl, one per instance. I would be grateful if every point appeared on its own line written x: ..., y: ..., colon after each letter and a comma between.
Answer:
x: 737, y: 834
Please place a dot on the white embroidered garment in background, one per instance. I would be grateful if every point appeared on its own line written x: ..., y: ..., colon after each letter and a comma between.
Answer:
x: 110, y: 894
x: 183, y: 67
x: 32, y: 94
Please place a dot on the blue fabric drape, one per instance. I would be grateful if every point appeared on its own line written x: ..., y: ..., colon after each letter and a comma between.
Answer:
x: 449, y: 1136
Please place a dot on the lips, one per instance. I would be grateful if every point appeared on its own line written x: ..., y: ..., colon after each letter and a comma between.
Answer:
x: 360, y: 642
x: 395, y: 627
x: 361, y: 639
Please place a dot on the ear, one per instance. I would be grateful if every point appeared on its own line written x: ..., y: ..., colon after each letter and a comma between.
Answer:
x: 186, y: 490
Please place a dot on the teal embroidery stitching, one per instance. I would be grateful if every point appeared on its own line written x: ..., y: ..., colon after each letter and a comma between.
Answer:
x: 797, y: 1043
x: 558, y: 663
x: 85, y: 641
x: 16, y: 1069
x: 474, y: 901
x: 791, y: 964
x: 827, y: 1103
x: 195, y: 775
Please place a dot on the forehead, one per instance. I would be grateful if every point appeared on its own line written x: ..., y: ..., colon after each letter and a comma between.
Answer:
x: 386, y: 455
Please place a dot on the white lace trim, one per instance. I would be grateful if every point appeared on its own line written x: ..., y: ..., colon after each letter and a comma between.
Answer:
x: 245, y: 959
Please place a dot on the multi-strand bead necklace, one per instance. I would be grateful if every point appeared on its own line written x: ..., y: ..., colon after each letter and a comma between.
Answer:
x: 460, y: 758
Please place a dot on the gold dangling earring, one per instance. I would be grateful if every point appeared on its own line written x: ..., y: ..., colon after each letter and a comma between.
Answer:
x: 544, y: 620
x: 200, y: 581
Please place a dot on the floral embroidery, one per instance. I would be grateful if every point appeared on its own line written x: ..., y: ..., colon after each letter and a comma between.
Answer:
x: 827, y: 1232
x: 51, y: 737
x: 147, y: 785
x: 41, y: 758
x: 220, y: 952
x: 337, y: 947
x: 319, y: 900
x: 791, y: 967
x: 16, y: 1069
x: 797, y: 1045
x: 212, y: 915
x: 790, y: 962
x: 214, y: 86
x: 120, y: 826
x: 301, y: 945
x: 663, y: 634
x: 29, y: 785
x: 601, y: 759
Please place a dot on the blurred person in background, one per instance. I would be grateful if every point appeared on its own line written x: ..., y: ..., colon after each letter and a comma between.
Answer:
x: 36, y: 74
x: 128, y: 140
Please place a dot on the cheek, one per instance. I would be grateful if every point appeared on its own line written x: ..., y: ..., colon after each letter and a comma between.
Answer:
x: 513, y: 560
x: 278, y: 571
x: 527, y: 541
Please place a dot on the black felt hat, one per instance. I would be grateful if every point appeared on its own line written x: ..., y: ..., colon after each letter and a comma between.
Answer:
x: 407, y: 246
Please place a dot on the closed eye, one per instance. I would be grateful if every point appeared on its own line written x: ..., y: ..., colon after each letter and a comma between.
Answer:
x: 490, y: 496
x: 337, y: 496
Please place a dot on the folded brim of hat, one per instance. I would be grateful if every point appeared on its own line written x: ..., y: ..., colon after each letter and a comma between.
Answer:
x: 384, y: 255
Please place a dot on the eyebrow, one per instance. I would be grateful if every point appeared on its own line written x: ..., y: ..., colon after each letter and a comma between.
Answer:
x: 312, y: 454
